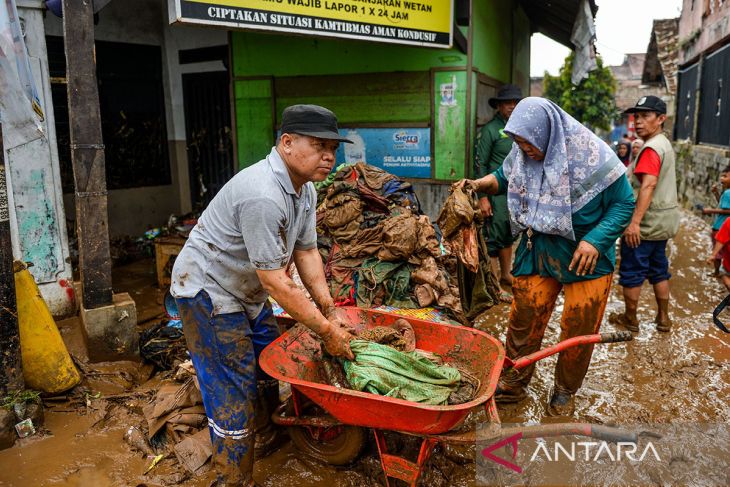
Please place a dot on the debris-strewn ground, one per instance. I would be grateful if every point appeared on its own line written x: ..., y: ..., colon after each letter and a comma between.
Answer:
x: 681, y: 377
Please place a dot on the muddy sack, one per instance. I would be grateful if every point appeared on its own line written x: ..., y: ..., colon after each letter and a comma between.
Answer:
x: 478, y: 291
x: 400, y: 236
x: 380, y: 369
x: 458, y: 211
x: 458, y: 221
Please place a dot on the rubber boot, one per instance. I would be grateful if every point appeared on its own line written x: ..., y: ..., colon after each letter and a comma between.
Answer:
x: 561, y: 404
x: 268, y: 436
x: 628, y: 318
x: 512, y: 386
x: 663, y: 323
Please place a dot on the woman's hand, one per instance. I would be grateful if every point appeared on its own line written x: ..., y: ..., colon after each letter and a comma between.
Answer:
x: 488, y: 184
x: 465, y: 184
x: 585, y: 259
x: 486, y: 207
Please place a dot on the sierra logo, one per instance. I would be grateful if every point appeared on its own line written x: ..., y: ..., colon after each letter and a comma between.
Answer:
x: 404, y: 139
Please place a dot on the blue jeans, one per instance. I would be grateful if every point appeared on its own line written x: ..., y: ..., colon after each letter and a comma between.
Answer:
x: 647, y: 261
x: 224, y: 349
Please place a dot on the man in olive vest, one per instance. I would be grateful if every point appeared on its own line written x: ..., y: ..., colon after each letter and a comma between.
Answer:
x: 655, y: 220
x: 492, y: 146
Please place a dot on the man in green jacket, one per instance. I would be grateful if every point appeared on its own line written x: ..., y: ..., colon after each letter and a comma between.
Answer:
x: 492, y: 146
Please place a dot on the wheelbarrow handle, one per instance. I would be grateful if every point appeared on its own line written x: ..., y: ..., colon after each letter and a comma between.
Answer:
x: 612, y: 434
x: 616, y: 336
x: 522, y: 362
x: 598, y: 431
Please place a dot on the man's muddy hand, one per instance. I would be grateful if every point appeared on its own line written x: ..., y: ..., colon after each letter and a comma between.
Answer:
x: 338, y: 317
x: 337, y: 342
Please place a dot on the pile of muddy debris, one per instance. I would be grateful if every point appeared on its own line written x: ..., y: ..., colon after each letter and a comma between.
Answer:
x: 378, y: 247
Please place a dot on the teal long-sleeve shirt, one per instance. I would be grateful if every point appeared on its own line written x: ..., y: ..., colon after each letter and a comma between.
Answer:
x: 600, y: 223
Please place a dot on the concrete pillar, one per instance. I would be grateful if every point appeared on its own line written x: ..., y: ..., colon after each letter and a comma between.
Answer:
x: 38, y: 225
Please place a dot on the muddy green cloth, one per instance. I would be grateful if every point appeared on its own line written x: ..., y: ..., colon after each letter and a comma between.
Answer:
x: 384, y: 283
x: 380, y: 369
x: 330, y: 178
x: 478, y: 290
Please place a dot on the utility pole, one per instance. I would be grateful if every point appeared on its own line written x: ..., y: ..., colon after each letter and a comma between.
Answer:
x: 87, y: 154
x: 11, y: 367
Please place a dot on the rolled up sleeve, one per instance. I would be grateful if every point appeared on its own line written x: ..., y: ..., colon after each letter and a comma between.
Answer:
x: 501, y: 180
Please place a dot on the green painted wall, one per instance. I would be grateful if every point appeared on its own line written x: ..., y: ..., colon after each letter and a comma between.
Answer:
x: 492, y: 39
x: 449, y: 128
x: 254, y: 122
x: 300, y: 65
x: 278, y: 55
x: 473, y: 124
x: 363, y: 98
x: 366, y: 83
x: 521, y: 63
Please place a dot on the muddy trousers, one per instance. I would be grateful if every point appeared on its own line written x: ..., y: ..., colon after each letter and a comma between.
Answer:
x: 224, y: 349
x: 534, y: 300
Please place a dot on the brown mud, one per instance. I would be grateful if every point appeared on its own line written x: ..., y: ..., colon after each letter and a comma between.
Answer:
x: 677, y: 377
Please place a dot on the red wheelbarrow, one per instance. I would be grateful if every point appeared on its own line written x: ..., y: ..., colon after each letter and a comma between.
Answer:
x: 330, y: 425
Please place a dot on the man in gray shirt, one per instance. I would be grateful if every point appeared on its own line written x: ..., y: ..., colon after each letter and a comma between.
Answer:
x: 237, y: 255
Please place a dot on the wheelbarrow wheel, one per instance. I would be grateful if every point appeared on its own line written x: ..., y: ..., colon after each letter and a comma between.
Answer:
x: 338, y: 445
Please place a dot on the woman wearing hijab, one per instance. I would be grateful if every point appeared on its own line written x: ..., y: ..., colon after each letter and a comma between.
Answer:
x: 624, y: 152
x: 636, y: 146
x: 568, y: 198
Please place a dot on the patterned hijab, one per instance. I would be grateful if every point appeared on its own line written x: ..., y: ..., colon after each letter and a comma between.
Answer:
x: 543, y: 195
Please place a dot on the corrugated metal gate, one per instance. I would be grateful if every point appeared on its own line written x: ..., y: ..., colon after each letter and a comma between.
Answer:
x: 714, y: 117
x: 208, y: 133
x: 686, y: 94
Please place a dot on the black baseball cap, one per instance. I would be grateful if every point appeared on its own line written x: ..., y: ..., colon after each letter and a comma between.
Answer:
x: 649, y: 103
x: 311, y: 120
x: 506, y: 93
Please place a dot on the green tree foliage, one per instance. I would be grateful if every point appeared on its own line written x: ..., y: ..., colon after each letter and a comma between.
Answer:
x: 592, y: 102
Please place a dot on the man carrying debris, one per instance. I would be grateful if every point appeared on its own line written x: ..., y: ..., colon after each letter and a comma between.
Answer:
x: 236, y: 256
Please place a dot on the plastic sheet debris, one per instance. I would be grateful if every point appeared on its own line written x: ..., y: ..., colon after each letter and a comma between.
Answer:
x: 25, y: 428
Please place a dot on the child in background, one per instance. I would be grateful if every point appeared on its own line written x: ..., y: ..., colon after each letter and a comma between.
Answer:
x: 720, y: 213
x: 720, y: 253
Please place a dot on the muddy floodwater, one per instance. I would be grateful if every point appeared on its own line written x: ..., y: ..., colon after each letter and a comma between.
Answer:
x: 680, y: 377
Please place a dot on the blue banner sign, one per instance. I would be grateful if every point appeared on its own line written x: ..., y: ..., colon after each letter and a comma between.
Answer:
x: 405, y: 152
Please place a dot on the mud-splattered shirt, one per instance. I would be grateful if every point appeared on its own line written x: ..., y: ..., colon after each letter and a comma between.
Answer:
x: 256, y: 221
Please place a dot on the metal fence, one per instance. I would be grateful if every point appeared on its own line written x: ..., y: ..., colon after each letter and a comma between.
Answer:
x: 713, y: 117
x: 686, y: 94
